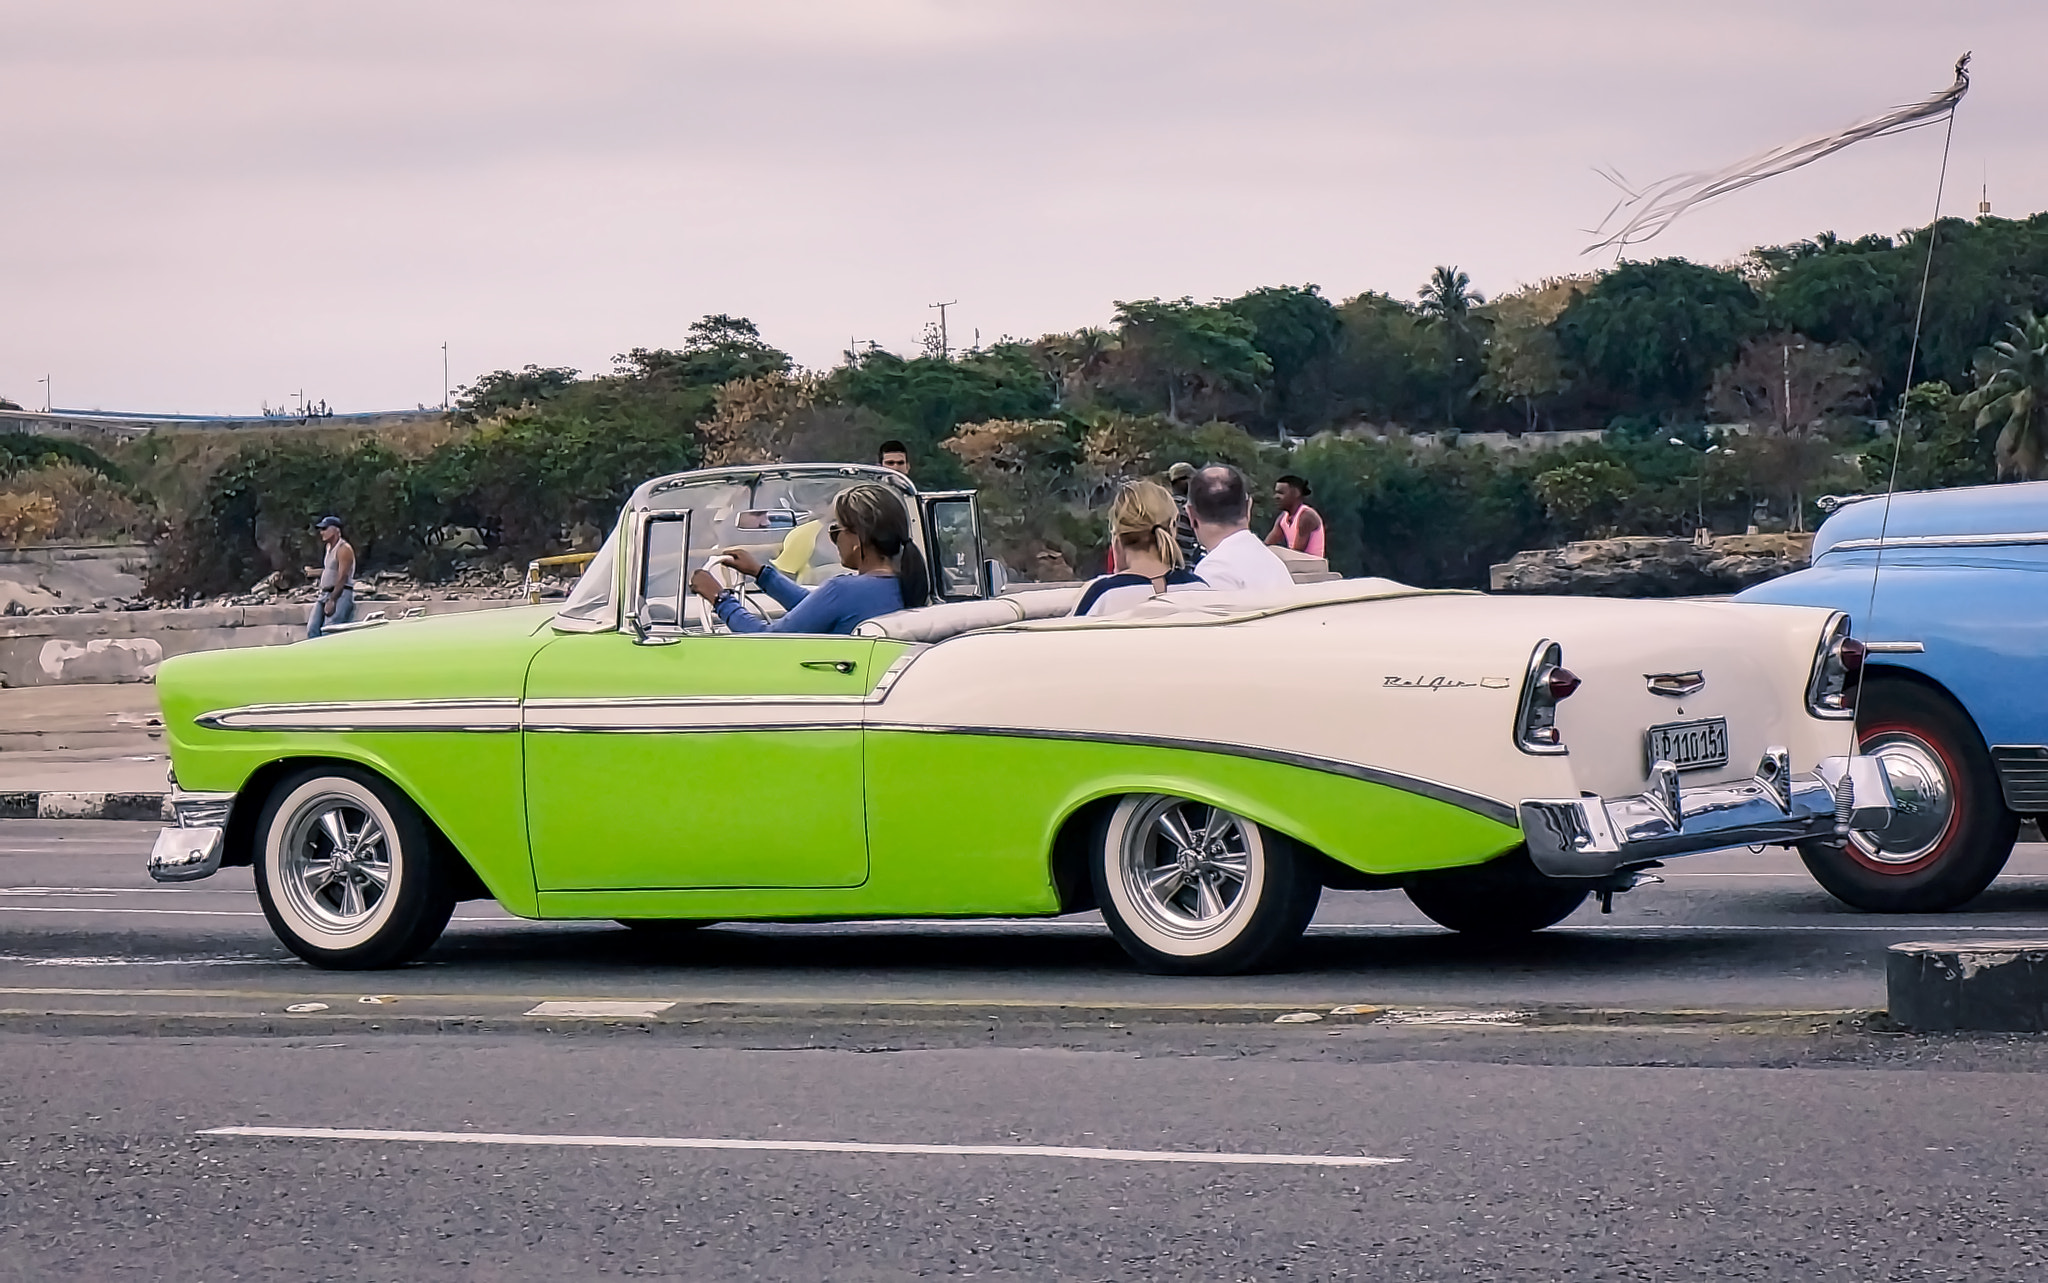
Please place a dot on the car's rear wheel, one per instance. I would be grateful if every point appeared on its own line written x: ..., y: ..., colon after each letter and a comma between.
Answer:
x: 1193, y: 889
x: 1497, y: 900
x: 1951, y: 832
x: 347, y: 871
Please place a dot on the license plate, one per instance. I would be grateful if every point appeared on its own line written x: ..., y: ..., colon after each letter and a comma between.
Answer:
x: 1689, y: 745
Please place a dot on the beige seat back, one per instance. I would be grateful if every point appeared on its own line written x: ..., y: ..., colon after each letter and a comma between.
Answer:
x: 937, y: 623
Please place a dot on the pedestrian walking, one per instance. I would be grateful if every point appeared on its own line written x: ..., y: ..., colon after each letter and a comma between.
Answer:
x: 336, y: 603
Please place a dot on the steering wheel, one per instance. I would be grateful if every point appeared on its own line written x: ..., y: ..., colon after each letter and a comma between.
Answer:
x: 728, y: 576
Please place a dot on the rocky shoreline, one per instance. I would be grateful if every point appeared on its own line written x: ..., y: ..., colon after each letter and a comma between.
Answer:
x: 1650, y: 567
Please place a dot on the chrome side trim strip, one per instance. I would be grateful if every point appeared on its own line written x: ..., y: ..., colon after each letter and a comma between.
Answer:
x: 1894, y: 647
x: 684, y: 721
x: 1940, y: 541
x: 654, y: 713
x: 369, y: 715
x: 1491, y: 808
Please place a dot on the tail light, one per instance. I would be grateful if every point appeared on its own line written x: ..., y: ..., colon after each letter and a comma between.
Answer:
x: 1548, y: 682
x: 1837, y: 668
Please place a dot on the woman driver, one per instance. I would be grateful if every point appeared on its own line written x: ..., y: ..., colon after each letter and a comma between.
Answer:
x: 871, y: 529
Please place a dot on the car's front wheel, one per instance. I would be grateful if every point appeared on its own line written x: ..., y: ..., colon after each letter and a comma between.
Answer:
x: 1193, y: 889
x: 1951, y: 832
x: 347, y: 872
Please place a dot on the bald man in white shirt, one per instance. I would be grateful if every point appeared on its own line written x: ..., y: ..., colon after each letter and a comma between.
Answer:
x: 1220, y: 505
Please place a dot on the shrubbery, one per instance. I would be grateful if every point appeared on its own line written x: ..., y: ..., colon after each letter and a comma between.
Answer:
x: 1795, y: 346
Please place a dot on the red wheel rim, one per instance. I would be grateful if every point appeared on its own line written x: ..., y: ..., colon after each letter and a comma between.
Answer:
x: 1913, y: 741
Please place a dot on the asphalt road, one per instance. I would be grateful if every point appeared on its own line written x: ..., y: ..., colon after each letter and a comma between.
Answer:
x: 1450, y: 1135
x: 629, y: 1157
x: 1725, y: 931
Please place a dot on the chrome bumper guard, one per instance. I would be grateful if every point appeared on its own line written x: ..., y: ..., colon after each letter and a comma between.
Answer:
x: 191, y: 849
x: 1592, y: 837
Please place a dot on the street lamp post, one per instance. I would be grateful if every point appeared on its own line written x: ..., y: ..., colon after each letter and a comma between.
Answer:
x: 444, y: 377
x: 45, y: 381
x: 1699, y: 480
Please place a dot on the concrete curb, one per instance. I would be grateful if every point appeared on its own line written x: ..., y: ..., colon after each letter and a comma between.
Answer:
x: 35, y: 805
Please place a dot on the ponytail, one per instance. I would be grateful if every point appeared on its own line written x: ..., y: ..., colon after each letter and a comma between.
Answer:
x: 913, y: 577
x: 881, y: 519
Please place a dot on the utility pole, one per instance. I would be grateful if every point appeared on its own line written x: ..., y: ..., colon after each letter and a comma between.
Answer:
x: 945, y: 349
x: 444, y: 376
x: 45, y: 381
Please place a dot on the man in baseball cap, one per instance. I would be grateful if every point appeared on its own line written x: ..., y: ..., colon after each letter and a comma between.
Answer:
x: 1177, y: 478
x: 336, y: 603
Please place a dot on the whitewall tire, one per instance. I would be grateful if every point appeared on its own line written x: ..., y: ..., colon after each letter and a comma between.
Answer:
x: 347, y: 871
x: 1190, y: 888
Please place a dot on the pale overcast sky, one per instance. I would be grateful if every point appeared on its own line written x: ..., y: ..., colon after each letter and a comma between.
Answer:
x: 213, y: 203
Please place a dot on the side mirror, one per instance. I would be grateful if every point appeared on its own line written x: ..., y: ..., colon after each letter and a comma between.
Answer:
x: 995, y: 577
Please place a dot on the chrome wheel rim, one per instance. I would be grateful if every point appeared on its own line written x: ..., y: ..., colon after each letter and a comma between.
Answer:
x: 1926, y: 799
x: 335, y: 863
x: 1185, y: 866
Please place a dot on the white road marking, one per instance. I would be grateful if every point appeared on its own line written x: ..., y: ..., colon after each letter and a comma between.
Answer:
x: 101, y: 961
x: 1083, y: 1152
x: 171, y: 913
x: 219, y: 890
x: 589, y: 1007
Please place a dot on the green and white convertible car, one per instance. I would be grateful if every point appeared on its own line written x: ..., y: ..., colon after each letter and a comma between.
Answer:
x: 1198, y: 769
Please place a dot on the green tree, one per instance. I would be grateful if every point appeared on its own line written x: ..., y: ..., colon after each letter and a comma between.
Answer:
x: 1296, y: 328
x: 1390, y: 365
x: 2014, y: 398
x: 1523, y: 361
x: 1654, y: 333
x: 1941, y: 444
x: 1185, y: 349
x: 1586, y: 494
x: 1072, y: 361
x: 717, y: 349
x: 1446, y: 301
x: 502, y: 390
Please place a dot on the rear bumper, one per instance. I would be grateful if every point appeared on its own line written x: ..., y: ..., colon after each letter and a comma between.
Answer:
x: 191, y: 848
x: 1591, y: 837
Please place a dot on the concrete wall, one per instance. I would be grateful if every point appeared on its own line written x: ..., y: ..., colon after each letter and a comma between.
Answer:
x: 72, y: 574
x: 127, y: 645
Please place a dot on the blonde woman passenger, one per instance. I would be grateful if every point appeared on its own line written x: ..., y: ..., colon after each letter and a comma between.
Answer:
x: 1145, y: 556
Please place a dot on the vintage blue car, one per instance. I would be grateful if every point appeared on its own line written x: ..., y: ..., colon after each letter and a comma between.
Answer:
x: 1948, y: 591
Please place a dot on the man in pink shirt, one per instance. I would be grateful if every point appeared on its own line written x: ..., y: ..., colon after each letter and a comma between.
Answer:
x: 1298, y: 526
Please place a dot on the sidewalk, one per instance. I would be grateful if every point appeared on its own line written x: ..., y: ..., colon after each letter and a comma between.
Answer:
x: 108, y: 717
x: 88, y: 752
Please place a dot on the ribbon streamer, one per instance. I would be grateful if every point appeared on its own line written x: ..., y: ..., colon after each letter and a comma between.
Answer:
x: 1657, y: 206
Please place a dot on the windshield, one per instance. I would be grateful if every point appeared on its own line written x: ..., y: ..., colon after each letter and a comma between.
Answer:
x: 780, y: 519
x: 590, y: 605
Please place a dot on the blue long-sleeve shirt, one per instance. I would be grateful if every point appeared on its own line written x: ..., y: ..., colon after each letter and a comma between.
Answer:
x: 835, y: 606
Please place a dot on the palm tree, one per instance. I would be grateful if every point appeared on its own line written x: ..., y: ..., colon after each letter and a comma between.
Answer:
x: 1448, y: 298
x: 1447, y: 301
x: 2016, y: 395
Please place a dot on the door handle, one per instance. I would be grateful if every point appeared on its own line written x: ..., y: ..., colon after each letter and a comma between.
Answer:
x: 835, y: 665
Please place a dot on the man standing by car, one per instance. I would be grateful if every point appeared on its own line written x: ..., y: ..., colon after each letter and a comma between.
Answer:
x: 895, y: 456
x: 1221, y: 506
x: 336, y: 603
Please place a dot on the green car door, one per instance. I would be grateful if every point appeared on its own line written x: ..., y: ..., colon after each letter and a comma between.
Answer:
x: 711, y: 761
